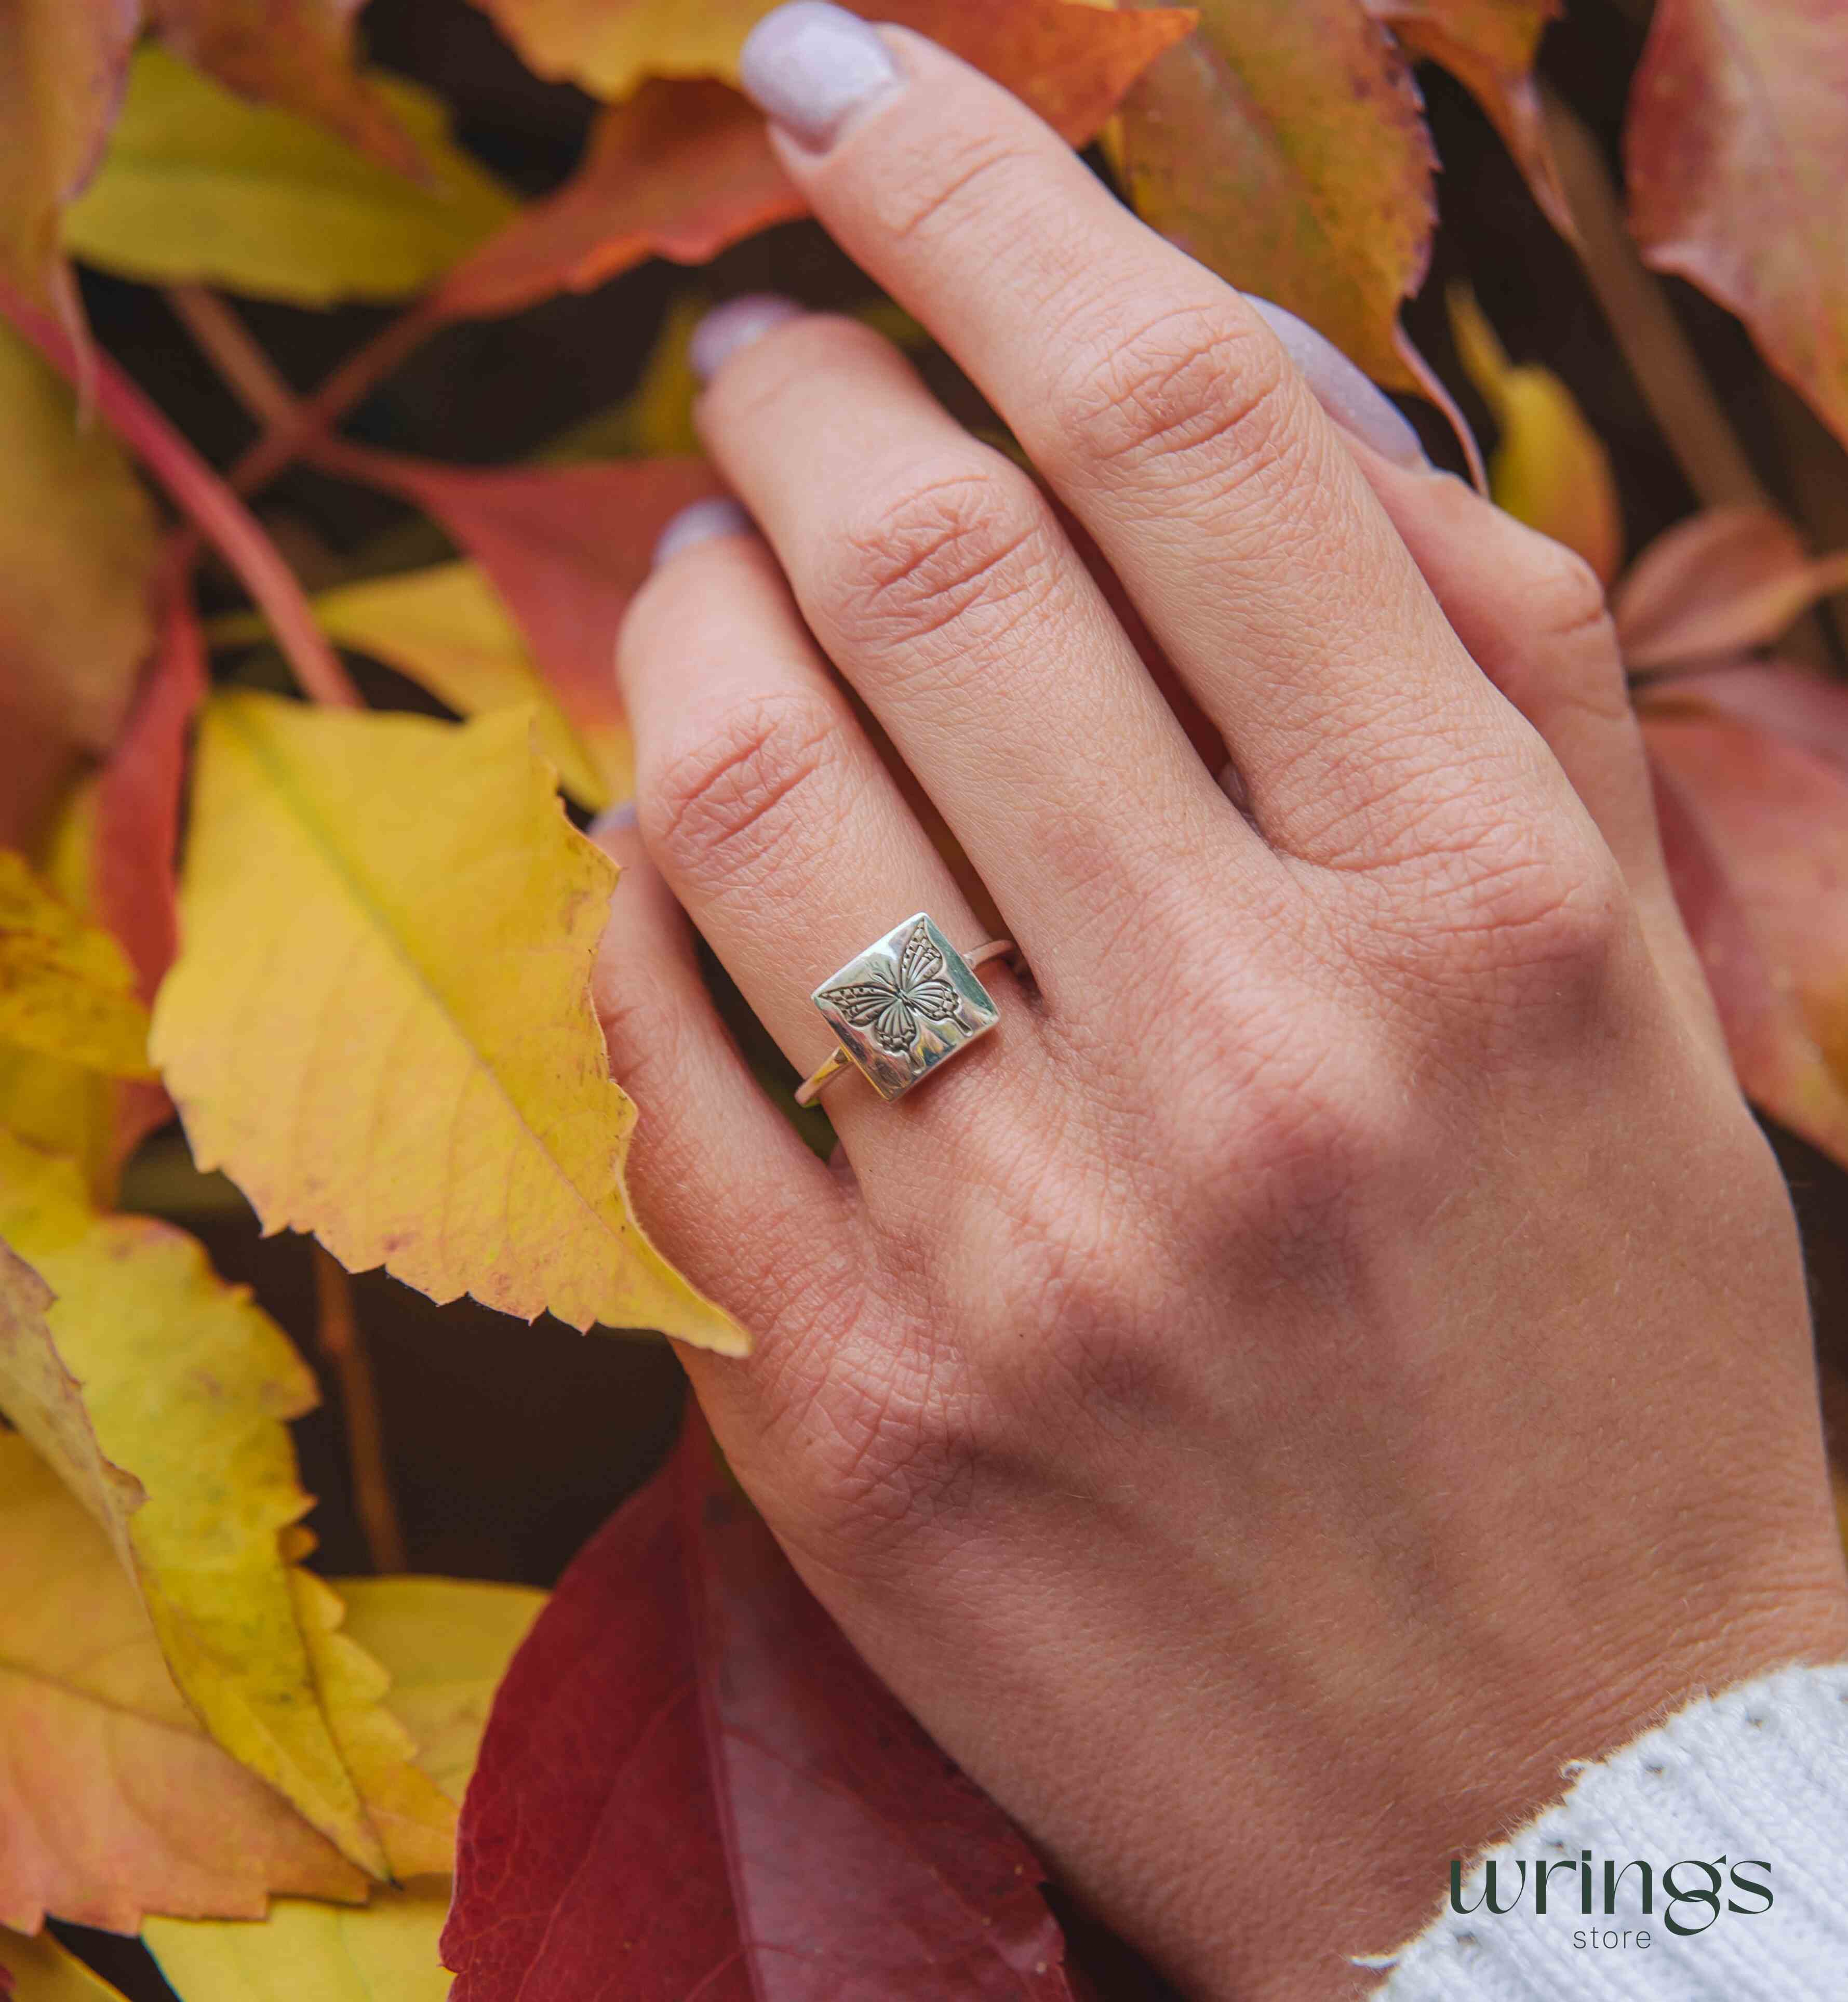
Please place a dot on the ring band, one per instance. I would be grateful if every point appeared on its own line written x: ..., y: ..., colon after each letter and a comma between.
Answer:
x: 903, y: 1006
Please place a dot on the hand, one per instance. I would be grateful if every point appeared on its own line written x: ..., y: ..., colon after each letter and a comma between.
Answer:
x: 1338, y: 1350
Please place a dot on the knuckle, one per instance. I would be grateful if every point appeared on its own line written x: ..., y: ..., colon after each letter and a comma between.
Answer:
x: 723, y: 810
x: 1565, y: 594
x: 974, y: 172
x: 1574, y: 638
x: 958, y: 545
x: 1187, y: 398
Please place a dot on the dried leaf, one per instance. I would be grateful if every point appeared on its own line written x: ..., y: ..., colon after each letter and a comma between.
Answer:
x: 1489, y: 45
x: 447, y: 629
x: 380, y: 1022
x: 199, y: 187
x: 680, y: 171
x: 1770, y: 889
x: 682, y: 1682
x: 295, y: 54
x: 148, y: 1371
x: 78, y: 548
x: 1071, y: 63
x: 114, y: 1802
x: 447, y: 1645
x: 1736, y: 153
x: 1282, y: 145
x: 61, y: 66
x: 566, y: 547
x: 1549, y: 469
x: 1796, y: 703
x: 40, y: 1970
x: 1719, y: 583
x: 66, y: 987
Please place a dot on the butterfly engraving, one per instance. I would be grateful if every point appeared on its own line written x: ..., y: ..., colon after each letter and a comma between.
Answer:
x: 894, y: 1009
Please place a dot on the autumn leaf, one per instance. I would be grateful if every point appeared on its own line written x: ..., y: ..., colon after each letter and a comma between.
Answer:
x: 199, y: 187
x: 295, y: 54
x: 447, y: 1645
x: 1736, y: 153
x: 114, y: 1801
x: 78, y: 549
x: 565, y: 548
x: 1549, y: 469
x: 40, y: 1970
x: 1797, y: 704
x: 680, y: 171
x: 1281, y: 144
x: 1718, y: 584
x: 1071, y: 63
x: 1489, y: 45
x: 446, y: 628
x: 380, y: 1022
x: 681, y: 1681
x: 66, y: 987
x: 148, y: 1372
x: 61, y: 66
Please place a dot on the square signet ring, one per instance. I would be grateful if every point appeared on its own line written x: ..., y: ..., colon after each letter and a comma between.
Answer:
x: 906, y: 1004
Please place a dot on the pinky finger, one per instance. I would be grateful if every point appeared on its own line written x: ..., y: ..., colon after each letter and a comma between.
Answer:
x: 722, y: 1183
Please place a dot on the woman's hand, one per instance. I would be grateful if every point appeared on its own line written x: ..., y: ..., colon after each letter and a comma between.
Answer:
x: 1338, y: 1350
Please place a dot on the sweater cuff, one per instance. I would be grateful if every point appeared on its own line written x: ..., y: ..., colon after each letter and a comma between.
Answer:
x: 1737, y: 1810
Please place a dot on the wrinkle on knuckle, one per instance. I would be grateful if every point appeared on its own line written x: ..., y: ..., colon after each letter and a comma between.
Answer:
x: 1185, y: 398
x: 963, y: 184
x: 957, y: 546
x: 722, y: 809
x: 1575, y: 641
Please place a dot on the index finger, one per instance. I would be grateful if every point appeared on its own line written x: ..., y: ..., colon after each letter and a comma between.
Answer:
x: 1167, y: 416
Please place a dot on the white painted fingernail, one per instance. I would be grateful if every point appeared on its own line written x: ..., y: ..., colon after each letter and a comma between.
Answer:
x: 809, y: 67
x: 736, y: 325
x: 1342, y: 390
x: 701, y: 523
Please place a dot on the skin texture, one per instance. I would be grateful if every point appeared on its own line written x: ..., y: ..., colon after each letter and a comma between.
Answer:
x: 1338, y: 1350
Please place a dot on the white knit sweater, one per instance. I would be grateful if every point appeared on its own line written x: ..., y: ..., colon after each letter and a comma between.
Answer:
x: 1753, y: 1782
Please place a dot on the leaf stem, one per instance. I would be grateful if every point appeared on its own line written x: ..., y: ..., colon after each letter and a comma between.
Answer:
x: 201, y: 495
x: 338, y: 1332
x: 1652, y: 339
x: 225, y: 341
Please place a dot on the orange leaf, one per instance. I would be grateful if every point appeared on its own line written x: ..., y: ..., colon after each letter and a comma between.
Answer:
x: 1071, y: 63
x: 680, y: 171
x: 566, y: 547
x: 1282, y: 145
x: 1797, y: 704
x: 1736, y: 152
x: 1721, y: 582
x: 1756, y: 831
x: 1489, y: 46
x: 296, y: 54
x: 62, y: 67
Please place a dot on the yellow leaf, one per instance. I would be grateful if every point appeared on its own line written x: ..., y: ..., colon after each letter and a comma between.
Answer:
x: 77, y: 547
x: 114, y: 1802
x: 1550, y: 469
x: 380, y: 1023
x: 445, y: 628
x: 202, y: 187
x: 42, y: 1971
x: 66, y: 987
x: 148, y: 1366
x: 447, y: 1645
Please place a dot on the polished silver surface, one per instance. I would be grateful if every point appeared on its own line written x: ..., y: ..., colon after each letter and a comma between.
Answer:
x: 904, y: 1005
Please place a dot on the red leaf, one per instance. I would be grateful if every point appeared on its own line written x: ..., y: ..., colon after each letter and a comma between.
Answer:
x: 691, y: 1784
x: 1721, y: 582
x: 1756, y: 835
x: 1736, y: 150
x: 566, y: 547
x: 135, y: 835
x: 680, y: 171
x: 1795, y: 703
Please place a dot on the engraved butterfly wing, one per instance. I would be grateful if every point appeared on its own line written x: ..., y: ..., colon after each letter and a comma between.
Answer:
x: 924, y: 981
x: 891, y: 1008
x: 880, y: 1005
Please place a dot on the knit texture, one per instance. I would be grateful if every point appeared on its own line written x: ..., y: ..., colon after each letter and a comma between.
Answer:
x: 1759, y: 1776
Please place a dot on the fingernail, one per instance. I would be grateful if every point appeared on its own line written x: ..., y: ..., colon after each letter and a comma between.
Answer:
x: 734, y: 325
x: 1342, y: 390
x: 613, y: 820
x: 701, y: 523
x: 809, y: 67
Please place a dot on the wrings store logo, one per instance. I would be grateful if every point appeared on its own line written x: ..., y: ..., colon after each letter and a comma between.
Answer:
x: 1691, y: 1893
